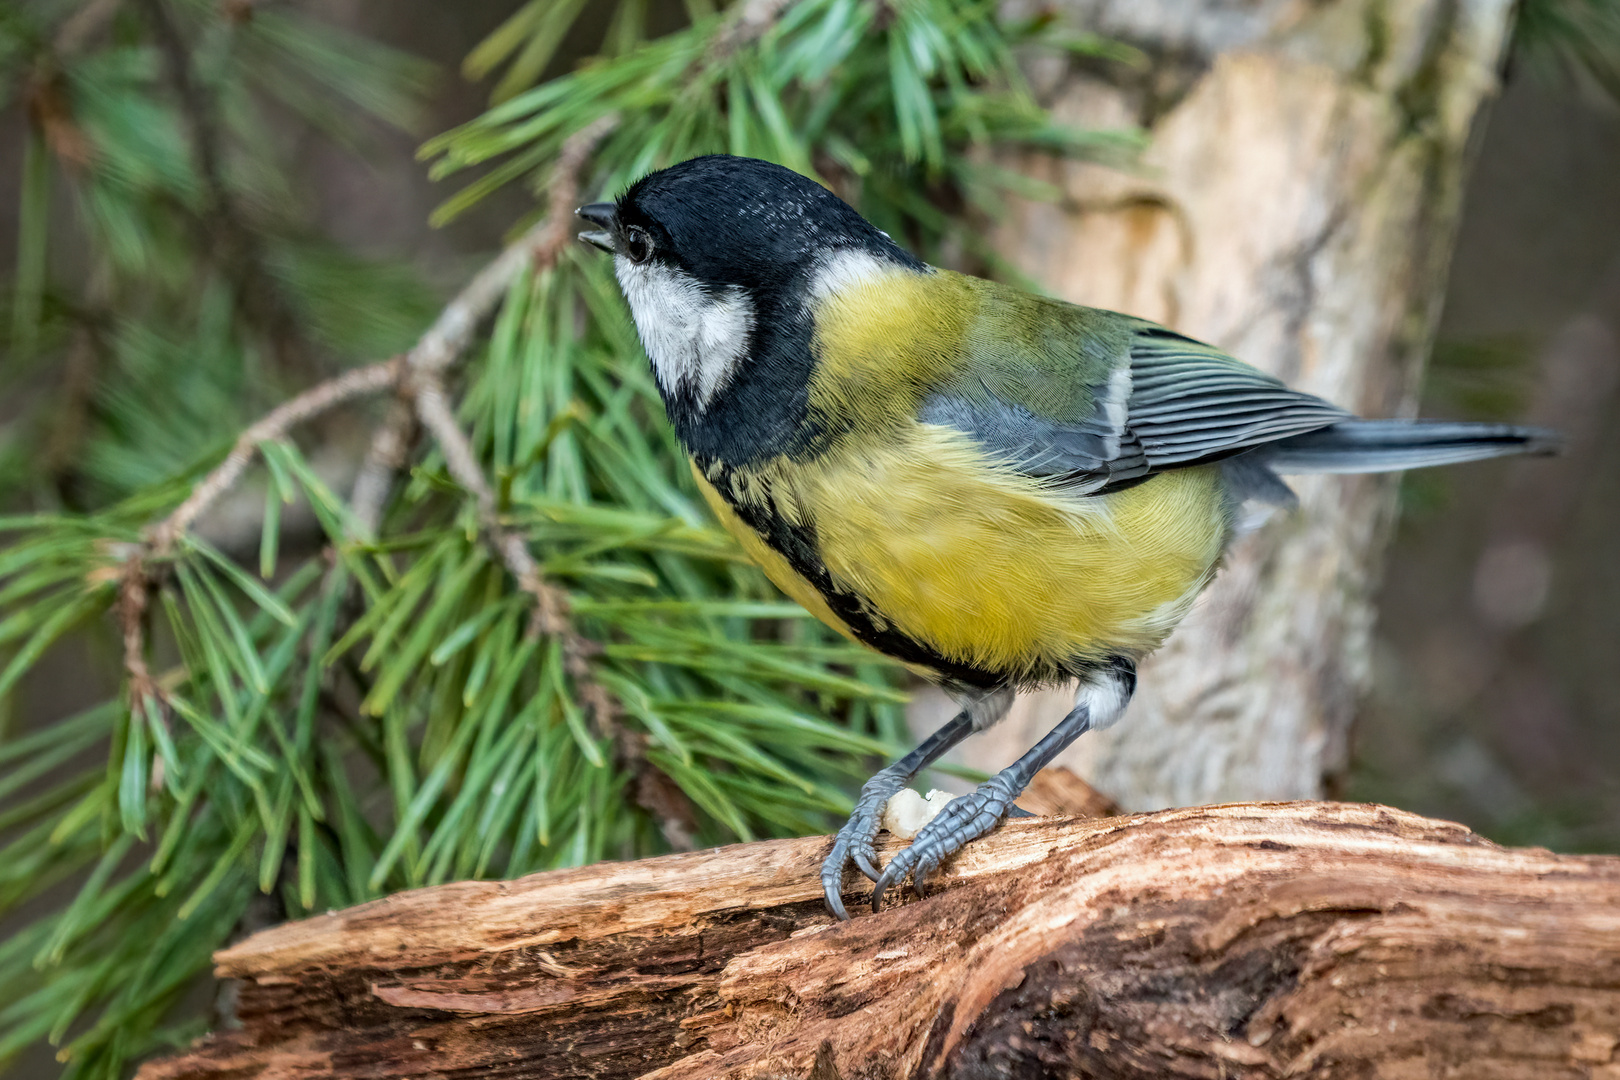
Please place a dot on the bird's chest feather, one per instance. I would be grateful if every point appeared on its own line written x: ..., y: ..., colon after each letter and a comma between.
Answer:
x: 990, y: 570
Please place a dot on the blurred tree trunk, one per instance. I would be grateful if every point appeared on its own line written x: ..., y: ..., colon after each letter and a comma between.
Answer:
x: 1297, y: 206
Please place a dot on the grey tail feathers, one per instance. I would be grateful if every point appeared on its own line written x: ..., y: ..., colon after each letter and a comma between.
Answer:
x: 1366, y: 446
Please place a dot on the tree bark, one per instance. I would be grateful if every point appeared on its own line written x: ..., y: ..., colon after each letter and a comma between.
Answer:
x: 1242, y: 941
x: 1296, y: 206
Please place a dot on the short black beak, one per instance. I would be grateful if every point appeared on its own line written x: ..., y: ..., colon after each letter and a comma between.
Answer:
x: 603, y: 214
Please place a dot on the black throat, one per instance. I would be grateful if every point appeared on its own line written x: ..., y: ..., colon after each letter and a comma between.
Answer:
x: 762, y: 411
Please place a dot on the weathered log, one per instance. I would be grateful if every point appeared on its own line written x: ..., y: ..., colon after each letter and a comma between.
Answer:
x: 1250, y: 940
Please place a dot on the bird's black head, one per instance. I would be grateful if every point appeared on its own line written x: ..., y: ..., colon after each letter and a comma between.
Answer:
x: 740, y: 221
x: 719, y: 258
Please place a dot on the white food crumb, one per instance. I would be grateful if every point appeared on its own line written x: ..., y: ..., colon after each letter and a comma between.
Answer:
x: 907, y: 812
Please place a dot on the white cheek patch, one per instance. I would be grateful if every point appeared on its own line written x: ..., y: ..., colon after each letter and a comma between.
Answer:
x: 694, y: 339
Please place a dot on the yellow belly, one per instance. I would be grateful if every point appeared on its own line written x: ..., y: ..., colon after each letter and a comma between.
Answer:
x: 987, y: 567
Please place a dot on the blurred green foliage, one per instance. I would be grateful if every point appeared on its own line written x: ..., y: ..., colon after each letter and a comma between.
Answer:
x: 163, y: 295
x: 1579, y: 39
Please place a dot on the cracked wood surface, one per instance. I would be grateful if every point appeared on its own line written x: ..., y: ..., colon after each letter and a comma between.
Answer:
x: 1240, y: 941
x: 1296, y: 205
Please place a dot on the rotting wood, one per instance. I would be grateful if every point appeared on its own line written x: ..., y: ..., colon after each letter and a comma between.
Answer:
x: 1241, y: 941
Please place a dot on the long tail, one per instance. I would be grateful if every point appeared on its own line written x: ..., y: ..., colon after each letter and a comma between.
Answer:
x: 1365, y: 446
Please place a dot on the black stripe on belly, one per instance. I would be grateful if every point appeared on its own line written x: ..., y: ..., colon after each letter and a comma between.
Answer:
x: 797, y: 544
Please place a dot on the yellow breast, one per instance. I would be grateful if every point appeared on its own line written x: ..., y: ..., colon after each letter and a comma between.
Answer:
x: 985, y: 566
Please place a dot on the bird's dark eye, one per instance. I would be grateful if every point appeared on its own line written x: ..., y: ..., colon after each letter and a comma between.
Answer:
x: 637, y: 244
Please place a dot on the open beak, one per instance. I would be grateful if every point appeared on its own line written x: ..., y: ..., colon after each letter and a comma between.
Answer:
x: 603, y: 214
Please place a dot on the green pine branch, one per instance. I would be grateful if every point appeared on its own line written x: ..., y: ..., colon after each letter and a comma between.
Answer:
x: 1576, y: 39
x: 518, y: 642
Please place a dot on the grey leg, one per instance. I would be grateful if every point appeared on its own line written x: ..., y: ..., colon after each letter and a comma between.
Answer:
x: 969, y: 817
x: 854, y: 840
x: 980, y: 709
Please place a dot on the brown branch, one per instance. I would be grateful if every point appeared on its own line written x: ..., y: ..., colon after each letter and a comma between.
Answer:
x: 542, y: 246
x: 162, y: 537
x: 1245, y: 942
x: 433, y: 410
x: 652, y: 790
x: 432, y: 354
x: 134, y: 575
x: 389, y: 450
x: 452, y: 331
x: 275, y: 424
x: 422, y: 384
x: 146, y: 695
x: 132, y: 598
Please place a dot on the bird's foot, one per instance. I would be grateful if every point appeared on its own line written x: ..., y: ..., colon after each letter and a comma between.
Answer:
x: 854, y: 840
x: 964, y: 819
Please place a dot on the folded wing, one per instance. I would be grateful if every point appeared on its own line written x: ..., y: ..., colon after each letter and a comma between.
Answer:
x: 1170, y: 402
x: 1166, y: 402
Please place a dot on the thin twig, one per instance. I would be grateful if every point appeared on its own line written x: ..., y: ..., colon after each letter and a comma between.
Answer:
x: 134, y: 581
x: 434, y: 352
x: 390, y: 448
x: 146, y: 696
x: 540, y: 247
x: 448, y: 337
x: 653, y: 791
x: 131, y: 613
x: 275, y: 424
x: 433, y: 410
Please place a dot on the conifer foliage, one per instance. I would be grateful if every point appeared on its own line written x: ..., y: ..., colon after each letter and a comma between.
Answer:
x: 516, y: 641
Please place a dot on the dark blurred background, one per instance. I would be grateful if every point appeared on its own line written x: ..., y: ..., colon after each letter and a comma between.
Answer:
x: 1497, y: 689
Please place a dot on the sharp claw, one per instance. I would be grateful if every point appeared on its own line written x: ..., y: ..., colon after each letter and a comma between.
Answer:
x: 926, y: 865
x: 867, y: 865
x: 832, y: 877
x: 887, y: 878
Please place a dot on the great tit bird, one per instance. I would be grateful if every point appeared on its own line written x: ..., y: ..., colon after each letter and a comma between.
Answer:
x: 999, y: 490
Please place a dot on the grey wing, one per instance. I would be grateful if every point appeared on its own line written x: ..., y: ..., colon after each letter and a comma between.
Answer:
x: 1191, y: 403
x: 1183, y: 404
